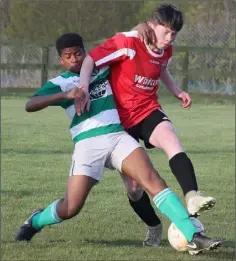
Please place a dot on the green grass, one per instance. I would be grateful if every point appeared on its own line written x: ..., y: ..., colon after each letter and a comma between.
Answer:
x: 36, y: 156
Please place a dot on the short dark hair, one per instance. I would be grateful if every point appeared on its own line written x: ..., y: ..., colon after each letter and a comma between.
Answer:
x: 69, y: 40
x: 168, y: 15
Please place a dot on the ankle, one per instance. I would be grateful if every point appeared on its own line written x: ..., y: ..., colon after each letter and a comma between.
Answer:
x: 190, y: 194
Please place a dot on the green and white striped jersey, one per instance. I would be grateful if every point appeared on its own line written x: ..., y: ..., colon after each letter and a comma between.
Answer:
x: 102, y: 117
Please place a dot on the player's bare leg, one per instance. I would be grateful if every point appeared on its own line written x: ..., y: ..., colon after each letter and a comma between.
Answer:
x: 139, y: 168
x: 164, y: 137
x: 78, y: 188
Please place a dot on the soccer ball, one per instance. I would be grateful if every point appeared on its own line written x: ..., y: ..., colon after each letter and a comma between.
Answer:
x: 177, y: 239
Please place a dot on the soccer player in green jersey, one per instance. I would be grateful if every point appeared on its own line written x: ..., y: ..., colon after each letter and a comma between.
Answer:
x: 100, y: 141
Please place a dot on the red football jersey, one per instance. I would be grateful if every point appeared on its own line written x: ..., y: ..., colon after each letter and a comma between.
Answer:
x: 134, y: 74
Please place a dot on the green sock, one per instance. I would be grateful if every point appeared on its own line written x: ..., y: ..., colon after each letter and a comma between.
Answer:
x: 169, y: 204
x: 47, y: 217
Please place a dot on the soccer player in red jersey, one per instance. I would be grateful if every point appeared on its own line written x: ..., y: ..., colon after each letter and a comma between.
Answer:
x: 135, y: 71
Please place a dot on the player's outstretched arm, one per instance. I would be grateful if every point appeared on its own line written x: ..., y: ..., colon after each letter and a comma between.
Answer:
x: 37, y: 103
x: 175, y: 90
x: 167, y: 79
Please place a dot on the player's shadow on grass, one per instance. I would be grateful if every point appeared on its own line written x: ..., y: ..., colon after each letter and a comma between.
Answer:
x: 42, y: 244
x: 220, y: 254
x: 122, y: 242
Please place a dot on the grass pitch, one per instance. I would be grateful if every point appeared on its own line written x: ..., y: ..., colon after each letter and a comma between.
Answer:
x: 36, y: 157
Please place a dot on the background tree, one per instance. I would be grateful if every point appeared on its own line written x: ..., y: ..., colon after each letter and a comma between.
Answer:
x: 45, y: 20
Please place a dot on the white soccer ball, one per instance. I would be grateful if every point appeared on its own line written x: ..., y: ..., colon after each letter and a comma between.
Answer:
x: 177, y: 239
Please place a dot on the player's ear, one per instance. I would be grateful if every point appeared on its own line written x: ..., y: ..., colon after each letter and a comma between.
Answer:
x: 61, y: 61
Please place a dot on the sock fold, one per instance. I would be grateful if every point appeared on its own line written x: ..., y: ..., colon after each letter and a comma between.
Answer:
x: 47, y: 217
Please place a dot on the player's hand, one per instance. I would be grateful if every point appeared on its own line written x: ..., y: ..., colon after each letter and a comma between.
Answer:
x: 146, y: 33
x: 74, y: 94
x: 186, y: 100
x: 82, y: 102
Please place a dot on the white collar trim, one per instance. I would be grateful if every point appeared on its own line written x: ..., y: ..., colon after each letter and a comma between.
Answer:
x: 154, y: 54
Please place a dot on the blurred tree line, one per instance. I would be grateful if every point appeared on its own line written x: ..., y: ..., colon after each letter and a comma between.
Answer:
x: 208, y: 23
x: 45, y: 20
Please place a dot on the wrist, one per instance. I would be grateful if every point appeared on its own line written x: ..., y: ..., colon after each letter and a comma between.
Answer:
x: 84, y: 87
x: 177, y: 91
x: 63, y: 95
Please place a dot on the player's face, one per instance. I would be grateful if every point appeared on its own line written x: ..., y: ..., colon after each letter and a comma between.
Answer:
x: 165, y: 36
x: 72, y: 58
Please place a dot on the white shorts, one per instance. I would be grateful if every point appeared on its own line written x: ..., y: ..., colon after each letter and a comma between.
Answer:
x: 93, y: 154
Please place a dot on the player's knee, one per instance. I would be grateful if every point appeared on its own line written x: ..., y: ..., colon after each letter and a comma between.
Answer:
x: 135, y: 192
x: 73, y: 209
